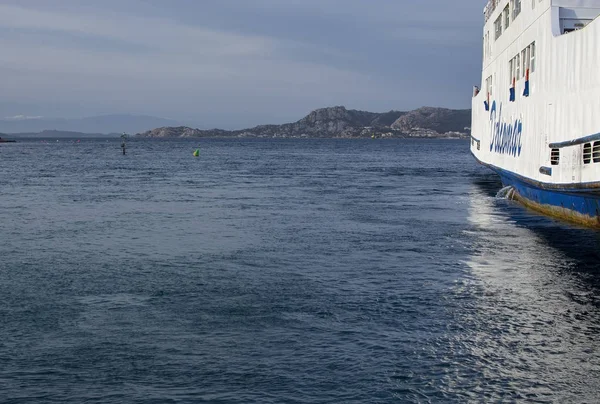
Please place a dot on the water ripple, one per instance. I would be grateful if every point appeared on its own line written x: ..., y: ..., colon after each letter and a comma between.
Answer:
x: 286, y: 271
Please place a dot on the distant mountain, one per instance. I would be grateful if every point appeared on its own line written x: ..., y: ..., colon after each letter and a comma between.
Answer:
x: 94, y: 124
x: 440, y: 120
x: 339, y: 122
x: 387, y: 118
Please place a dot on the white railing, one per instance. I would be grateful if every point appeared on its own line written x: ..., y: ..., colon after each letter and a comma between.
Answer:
x: 490, y: 8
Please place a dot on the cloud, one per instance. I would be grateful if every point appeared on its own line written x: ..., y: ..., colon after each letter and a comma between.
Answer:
x: 152, y: 33
x: 213, y: 60
x: 21, y: 117
x: 163, y: 48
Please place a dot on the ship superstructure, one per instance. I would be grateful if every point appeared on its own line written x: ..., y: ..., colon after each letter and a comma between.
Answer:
x: 536, y: 115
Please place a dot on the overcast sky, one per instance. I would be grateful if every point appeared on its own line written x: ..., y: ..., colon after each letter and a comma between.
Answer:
x: 235, y: 63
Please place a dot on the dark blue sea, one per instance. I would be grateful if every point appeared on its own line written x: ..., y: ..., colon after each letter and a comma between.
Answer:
x: 286, y: 271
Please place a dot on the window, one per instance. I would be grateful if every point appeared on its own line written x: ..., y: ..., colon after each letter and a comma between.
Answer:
x: 511, y: 73
x: 532, y: 62
x: 486, y: 46
x: 484, y: 56
x: 523, y: 54
x: 587, y: 153
x: 527, y: 57
x: 518, y: 63
x: 516, y: 7
x: 498, y: 27
x: 506, y: 14
x: 554, y: 157
x: 488, y: 85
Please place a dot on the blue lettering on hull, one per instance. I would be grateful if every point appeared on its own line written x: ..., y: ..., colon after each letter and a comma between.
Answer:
x: 506, y: 136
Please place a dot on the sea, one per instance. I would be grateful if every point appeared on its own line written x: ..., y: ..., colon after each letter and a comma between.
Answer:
x: 285, y: 271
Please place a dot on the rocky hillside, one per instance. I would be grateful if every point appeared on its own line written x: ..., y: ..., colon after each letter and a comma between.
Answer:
x: 339, y: 122
x: 440, y: 120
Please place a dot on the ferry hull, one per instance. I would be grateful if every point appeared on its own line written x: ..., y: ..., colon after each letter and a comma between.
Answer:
x: 535, y: 117
x: 581, y: 206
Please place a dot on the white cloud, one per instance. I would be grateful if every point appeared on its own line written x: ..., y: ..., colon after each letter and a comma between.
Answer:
x: 21, y: 117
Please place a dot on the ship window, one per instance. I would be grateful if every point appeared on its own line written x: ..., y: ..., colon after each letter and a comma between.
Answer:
x: 516, y: 7
x: 485, y: 52
x: 506, y: 14
x: 510, y: 70
x: 518, y: 63
x: 527, y: 57
x: 596, y: 152
x: 554, y: 157
x: 488, y: 85
x: 532, y: 57
x: 523, y: 64
x: 498, y: 27
x: 514, y: 69
x: 587, y: 153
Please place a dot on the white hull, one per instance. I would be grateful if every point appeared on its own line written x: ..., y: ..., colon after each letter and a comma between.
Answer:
x: 560, y: 117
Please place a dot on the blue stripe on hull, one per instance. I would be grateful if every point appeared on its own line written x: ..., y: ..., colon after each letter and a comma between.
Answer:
x: 584, y: 205
x: 578, y: 202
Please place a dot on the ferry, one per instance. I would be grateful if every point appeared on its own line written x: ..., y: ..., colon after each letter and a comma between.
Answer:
x: 536, y: 115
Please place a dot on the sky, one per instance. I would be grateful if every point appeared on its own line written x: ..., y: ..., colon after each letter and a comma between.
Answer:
x: 235, y: 63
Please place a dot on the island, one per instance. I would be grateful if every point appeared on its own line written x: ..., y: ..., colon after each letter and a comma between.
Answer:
x: 339, y: 122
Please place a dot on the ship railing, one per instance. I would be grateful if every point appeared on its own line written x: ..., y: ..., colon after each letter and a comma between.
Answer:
x: 575, y: 142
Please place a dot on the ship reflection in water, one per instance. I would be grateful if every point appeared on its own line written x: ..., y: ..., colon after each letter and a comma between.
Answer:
x: 535, y: 318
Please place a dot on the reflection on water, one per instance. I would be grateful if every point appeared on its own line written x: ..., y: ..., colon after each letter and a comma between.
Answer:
x: 534, y: 323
